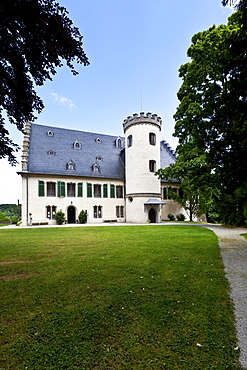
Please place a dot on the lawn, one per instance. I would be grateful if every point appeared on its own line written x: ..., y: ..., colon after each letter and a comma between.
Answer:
x: 129, y: 297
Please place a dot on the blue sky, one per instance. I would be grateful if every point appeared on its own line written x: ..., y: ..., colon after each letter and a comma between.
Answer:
x: 135, y: 48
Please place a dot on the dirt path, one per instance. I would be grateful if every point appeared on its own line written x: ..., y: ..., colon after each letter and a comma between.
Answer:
x: 234, y: 253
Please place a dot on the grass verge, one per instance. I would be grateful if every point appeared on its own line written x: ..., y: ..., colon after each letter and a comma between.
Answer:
x: 139, y: 297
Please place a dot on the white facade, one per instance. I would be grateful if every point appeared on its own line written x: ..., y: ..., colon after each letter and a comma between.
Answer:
x: 97, y: 174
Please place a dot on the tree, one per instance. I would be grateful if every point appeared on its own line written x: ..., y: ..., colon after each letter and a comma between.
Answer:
x: 197, y: 183
x: 212, y: 112
x: 35, y: 36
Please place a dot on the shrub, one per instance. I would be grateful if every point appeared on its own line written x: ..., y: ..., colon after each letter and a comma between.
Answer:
x: 83, y: 217
x: 4, y: 218
x: 171, y: 217
x: 180, y: 217
x: 60, y: 217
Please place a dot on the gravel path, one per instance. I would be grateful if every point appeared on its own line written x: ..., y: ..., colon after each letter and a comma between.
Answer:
x: 234, y: 253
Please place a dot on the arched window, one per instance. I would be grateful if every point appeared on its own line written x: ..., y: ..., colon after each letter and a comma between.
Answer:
x: 77, y: 145
x: 96, y: 167
x: 119, y: 143
x: 70, y: 166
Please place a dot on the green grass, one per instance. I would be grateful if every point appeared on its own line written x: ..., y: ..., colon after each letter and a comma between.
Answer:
x: 139, y: 297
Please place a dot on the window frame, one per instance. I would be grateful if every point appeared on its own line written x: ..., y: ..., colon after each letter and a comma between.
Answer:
x: 50, y: 189
x: 97, y: 192
x: 71, y: 189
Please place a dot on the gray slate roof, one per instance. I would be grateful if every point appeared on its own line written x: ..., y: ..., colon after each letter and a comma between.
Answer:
x: 93, y: 147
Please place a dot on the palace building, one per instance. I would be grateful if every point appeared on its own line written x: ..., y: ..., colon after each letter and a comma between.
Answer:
x: 110, y: 177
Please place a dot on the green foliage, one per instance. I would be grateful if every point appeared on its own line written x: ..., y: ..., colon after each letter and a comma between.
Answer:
x: 83, y: 217
x: 171, y: 217
x: 4, y: 218
x: 10, y: 209
x: 35, y: 37
x: 180, y: 217
x: 60, y: 217
x: 138, y: 297
x: 211, y: 119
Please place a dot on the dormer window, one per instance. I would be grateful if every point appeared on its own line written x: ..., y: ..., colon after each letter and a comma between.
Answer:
x: 77, y: 145
x: 98, y: 140
x: 70, y: 166
x: 99, y: 158
x: 119, y: 142
x: 49, y: 133
x: 96, y: 167
x: 51, y: 152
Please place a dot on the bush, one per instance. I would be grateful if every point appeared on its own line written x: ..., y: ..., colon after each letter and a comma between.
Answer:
x: 171, y: 217
x: 83, y: 217
x: 4, y: 218
x: 180, y: 217
x: 60, y: 217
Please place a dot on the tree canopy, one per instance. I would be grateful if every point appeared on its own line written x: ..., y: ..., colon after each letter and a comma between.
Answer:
x: 35, y: 36
x: 211, y: 120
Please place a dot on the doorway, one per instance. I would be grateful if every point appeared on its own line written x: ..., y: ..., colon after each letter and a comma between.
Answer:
x: 152, y: 215
x: 71, y: 215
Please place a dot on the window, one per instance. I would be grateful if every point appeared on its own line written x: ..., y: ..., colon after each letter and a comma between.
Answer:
x: 70, y: 190
x: 112, y: 191
x: 79, y: 189
x: 70, y: 166
x: 152, y: 166
x: 41, y: 186
x: 119, y: 142
x: 119, y: 191
x: 77, y: 145
x: 97, y: 212
x: 130, y: 140
x: 89, y: 190
x: 96, y: 167
x: 105, y: 191
x: 51, y: 152
x: 98, y: 140
x: 61, y: 189
x: 120, y: 211
x: 99, y: 158
x: 50, y: 212
x: 166, y: 194
x: 51, y: 189
x: 152, y: 138
x: 49, y: 133
x: 97, y: 191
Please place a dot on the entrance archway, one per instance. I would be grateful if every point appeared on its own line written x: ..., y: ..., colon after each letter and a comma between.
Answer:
x: 71, y: 215
x: 152, y: 215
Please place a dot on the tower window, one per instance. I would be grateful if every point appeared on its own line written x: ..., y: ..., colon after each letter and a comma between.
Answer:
x: 152, y: 166
x: 152, y: 138
x: 130, y: 140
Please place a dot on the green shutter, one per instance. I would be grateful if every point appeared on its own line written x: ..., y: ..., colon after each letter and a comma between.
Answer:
x: 105, y: 191
x: 41, y: 188
x: 112, y: 191
x: 89, y: 190
x: 61, y: 189
x: 79, y: 189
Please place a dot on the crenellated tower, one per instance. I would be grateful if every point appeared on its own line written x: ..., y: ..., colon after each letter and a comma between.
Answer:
x: 142, y: 159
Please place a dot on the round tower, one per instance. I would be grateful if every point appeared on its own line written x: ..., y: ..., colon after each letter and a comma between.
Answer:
x: 142, y: 159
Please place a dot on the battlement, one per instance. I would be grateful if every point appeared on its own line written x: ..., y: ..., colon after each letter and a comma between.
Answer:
x: 137, y: 119
x: 25, y: 147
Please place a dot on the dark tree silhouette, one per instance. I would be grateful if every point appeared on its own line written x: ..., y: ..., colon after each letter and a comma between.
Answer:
x: 35, y: 36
